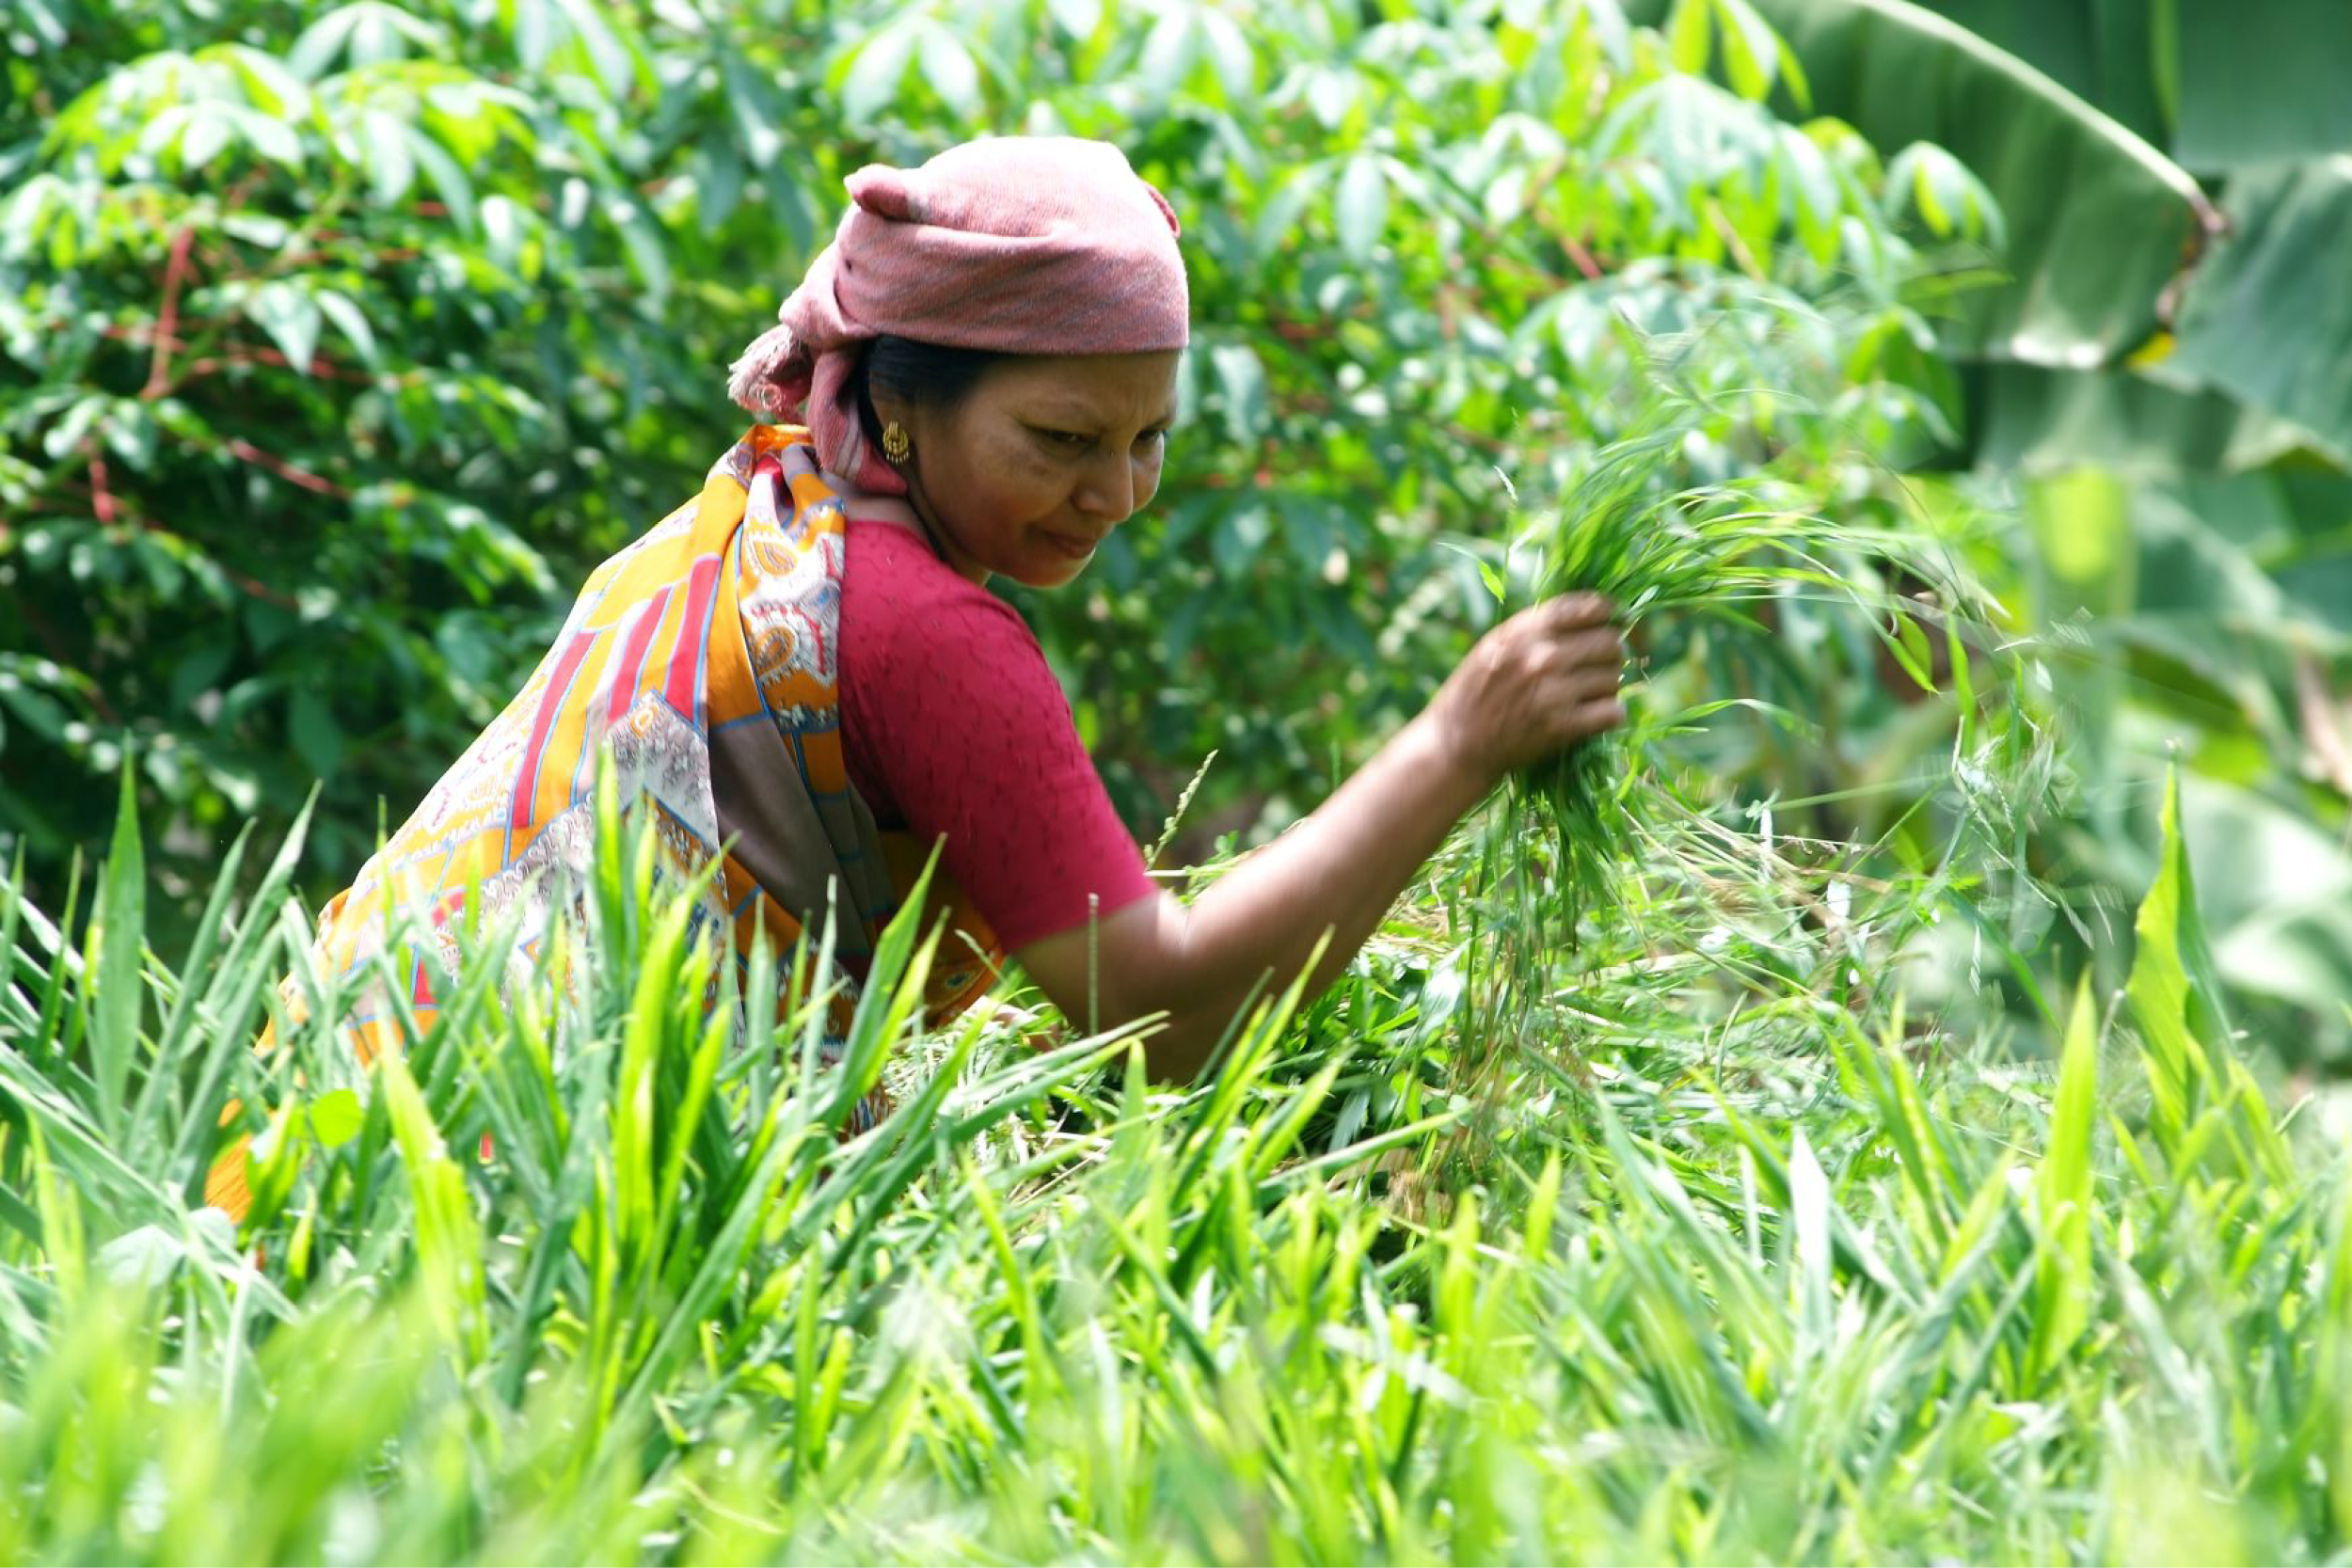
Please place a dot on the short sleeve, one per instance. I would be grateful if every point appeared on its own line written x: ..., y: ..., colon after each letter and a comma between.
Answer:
x: 951, y: 716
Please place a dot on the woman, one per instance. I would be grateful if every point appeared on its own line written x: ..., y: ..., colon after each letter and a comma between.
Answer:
x: 801, y: 676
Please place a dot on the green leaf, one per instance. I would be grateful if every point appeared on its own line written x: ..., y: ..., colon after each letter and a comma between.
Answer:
x: 2261, y: 85
x: 1171, y: 50
x: 643, y: 240
x: 352, y: 323
x: 607, y: 56
x: 336, y: 1117
x: 207, y: 131
x: 2173, y: 991
x: 73, y: 427
x: 2063, y: 1190
x: 1751, y: 48
x: 386, y: 154
x: 1809, y: 1224
x: 2081, y: 520
x: 1953, y: 200
x: 318, y: 740
x: 948, y: 67
x: 718, y: 183
x: 1241, y: 384
x: 382, y: 32
x: 1230, y: 55
x: 1080, y: 19
x: 1910, y: 649
x: 1361, y: 205
x: 1688, y: 35
x: 2034, y: 420
x: 876, y: 73
x: 2268, y: 318
x: 118, y: 934
x: 450, y: 181
x: 275, y: 94
x: 316, y: 50
x: 291, y: 318
x: 271, y: 140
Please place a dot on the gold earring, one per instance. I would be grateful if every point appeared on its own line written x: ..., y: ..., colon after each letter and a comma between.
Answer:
x: 895, y: 444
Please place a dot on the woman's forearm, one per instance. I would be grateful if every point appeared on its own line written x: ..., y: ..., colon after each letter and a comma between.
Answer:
x: 1545, y: 679
x: 1336, y: 874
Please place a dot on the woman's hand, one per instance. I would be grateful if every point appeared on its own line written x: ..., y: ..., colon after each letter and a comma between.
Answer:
x: 1541, y: 681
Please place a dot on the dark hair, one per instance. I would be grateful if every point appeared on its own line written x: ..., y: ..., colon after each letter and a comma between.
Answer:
x: 928, y: 375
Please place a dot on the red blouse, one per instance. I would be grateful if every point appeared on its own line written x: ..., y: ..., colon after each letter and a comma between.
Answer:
x: 952, y: 724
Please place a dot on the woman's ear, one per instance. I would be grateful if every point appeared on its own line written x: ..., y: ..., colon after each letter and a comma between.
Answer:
x: 883, y: 409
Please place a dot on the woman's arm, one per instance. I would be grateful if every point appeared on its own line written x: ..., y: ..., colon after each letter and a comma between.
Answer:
x: 1542, y: 680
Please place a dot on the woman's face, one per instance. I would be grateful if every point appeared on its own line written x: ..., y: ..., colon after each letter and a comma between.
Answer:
x: 1045, y: 458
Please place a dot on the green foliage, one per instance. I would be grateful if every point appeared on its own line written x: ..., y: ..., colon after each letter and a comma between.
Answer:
x: 339, y: 342
x: 2284, y: 214
x: 1744, y: 1261
x: 2073, y: 184
x: 2161, y: 392
x: 1731, y: 1178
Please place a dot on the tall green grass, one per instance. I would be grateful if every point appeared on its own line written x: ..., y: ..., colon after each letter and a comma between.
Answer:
x: 1764, y: 1268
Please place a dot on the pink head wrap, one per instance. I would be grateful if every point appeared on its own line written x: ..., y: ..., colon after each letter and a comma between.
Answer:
x: 1019, y: 244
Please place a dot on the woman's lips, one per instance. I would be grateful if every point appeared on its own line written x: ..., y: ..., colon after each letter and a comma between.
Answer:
x: 1072, y: 546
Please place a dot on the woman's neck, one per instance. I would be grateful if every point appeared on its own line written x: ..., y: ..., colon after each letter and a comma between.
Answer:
x: 864, y: 506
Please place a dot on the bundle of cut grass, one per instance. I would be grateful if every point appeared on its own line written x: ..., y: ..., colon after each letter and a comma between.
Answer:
x: 1633, y: 528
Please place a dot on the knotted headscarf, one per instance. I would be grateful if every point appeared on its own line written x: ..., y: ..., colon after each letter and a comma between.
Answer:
x: 1018, y: 245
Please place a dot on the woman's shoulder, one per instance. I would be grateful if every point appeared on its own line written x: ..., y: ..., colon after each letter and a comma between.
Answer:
x: 897, y: 593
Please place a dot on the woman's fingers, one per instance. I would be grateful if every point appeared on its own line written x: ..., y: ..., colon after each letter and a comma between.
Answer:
x: 1581, y: 718
x: 1578, y: 610
x: 1573, y: 707
x: 1602, y: 646
x: 1578, y: 654
x: 1575, y: 683
x: 1605, y: 713
x: 1593, y: 680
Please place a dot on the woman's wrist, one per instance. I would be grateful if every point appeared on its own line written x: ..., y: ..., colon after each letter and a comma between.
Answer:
x: 1429, y: 746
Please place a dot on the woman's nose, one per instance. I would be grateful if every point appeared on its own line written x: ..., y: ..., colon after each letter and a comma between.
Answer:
x: 1108, y: 489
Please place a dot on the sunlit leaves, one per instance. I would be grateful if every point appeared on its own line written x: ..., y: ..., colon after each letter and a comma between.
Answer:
x: 363, y: 33
x: 2091, y: 251
x: 1360, y: 205
x: 1951, y: 201
x: 291, y: 318
x: 876, y: 67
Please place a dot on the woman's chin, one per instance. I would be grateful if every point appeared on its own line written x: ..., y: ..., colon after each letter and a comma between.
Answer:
x: 1048, y: 574
x: 1049, y: 566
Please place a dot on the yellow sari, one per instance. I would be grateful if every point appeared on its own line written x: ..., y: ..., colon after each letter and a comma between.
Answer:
x: 703, y: 663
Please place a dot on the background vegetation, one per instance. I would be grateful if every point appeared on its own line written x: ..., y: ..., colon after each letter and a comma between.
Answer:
x: 339, y: 341
x: 1866, y: 1144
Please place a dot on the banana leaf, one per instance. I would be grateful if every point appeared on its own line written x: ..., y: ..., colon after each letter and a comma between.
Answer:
x: 2102, y: 51
x: 2034, y: 418
x: 2260, y: 83
x: 2099, y: 222
x: 2220, y: 87
x: 2268, y: 315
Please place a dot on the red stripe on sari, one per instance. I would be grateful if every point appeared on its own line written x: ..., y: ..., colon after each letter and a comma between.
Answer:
x: 631, y: 665
x: 520, y: 807
x: 686, y: 665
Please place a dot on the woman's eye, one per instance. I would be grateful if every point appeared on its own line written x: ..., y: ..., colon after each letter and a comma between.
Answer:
x: 1068, y: 440
x: 1152, y: 438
